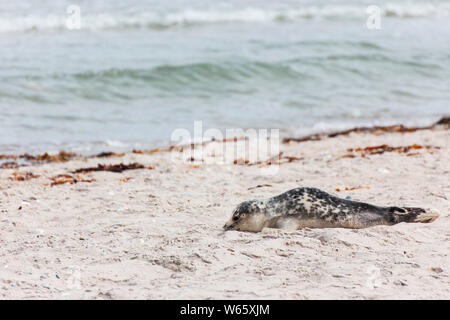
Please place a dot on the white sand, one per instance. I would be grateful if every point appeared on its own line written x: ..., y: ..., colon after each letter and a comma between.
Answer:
x: 159, y: 235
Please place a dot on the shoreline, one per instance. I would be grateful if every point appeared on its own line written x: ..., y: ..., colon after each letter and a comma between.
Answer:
x: 148, y: 225
x: 13, y: 160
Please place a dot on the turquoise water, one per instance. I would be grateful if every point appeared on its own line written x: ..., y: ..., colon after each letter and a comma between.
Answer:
x: 137, y: 70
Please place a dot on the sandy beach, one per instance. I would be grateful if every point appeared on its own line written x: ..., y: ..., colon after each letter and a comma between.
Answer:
x: 156, y: 232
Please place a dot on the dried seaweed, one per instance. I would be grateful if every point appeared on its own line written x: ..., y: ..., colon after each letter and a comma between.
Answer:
x: 241, y: 161
x: 118, y: 168
x: 380, y: 149
x: 269, y: 161
x: 62, y: 156
x: 9, y: 165
x: 23, y: 176
x: 351, y: 188
x: 8, y: 156
x: 67, y: 178
x: 276, y: 160
x: 260, y: 186
x: 292, y: 159
x: 445, y: 121
x: 182, y: 147
x: 156, y: 150
x: 108, y: 155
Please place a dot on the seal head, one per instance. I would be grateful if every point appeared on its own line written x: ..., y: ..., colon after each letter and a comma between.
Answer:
x: 247, y: 216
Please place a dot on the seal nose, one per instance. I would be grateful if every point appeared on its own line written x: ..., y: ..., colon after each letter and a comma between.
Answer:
x: 226, y: 227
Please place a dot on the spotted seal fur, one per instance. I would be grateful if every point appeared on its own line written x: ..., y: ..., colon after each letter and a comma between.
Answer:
x: 314, y: 208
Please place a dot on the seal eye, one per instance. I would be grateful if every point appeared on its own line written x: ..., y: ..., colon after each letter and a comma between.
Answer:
x: 235, y: 218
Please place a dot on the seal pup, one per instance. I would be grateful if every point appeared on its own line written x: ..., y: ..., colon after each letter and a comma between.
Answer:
x: 313, y: 208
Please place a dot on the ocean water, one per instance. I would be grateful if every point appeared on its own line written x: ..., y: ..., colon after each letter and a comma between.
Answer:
x: 137, y: 70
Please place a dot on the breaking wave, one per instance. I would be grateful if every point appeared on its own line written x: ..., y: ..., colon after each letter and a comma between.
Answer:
x: 154, y: 20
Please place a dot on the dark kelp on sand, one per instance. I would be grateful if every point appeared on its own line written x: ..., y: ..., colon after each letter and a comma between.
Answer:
x: 444, y: 122
x: 118, y: 168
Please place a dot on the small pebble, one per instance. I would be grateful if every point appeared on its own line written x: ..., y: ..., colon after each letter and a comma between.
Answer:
x: 348, y: 197
x: 437, y: 270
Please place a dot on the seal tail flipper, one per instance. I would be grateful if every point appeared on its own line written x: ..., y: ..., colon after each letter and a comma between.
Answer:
x: 428, y: 216
x: 413, y: 214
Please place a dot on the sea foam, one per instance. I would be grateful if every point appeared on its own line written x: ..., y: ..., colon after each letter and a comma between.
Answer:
x: 192, y: 17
